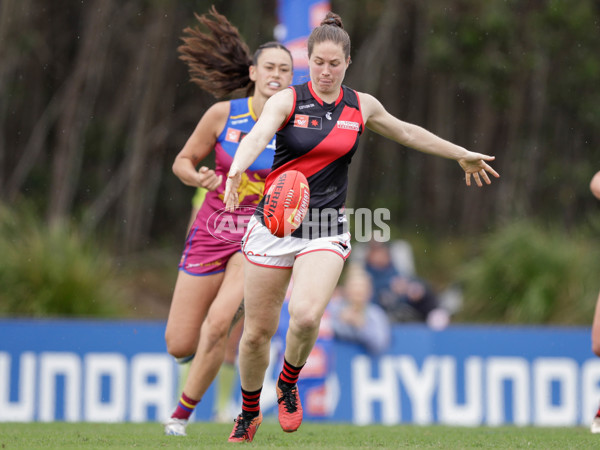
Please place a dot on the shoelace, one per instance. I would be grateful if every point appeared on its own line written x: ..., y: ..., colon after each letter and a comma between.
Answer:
x: 241, y: 427
x: 289, y: 399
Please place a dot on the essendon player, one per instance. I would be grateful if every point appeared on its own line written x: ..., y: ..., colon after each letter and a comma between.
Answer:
x: 318, y: 126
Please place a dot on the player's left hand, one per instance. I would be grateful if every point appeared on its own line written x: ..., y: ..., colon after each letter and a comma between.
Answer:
x: 474, y: 164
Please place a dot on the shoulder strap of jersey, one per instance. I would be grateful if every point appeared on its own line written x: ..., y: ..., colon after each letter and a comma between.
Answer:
x: 287, y: 119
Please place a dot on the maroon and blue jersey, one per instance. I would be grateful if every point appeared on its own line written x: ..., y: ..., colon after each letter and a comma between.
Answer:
x: 319, y: 139
x: 216, y: 234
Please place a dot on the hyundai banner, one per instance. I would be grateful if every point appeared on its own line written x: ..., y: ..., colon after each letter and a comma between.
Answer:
x: 98, y: 371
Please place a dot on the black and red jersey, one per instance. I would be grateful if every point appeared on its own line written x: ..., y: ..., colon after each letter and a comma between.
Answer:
x: 319, y: 139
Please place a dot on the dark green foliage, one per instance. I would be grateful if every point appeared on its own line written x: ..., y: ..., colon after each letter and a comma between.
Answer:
x: 95, y: 106
x: 53, y: 272
x: 532, y: 274
x: 478, y: 43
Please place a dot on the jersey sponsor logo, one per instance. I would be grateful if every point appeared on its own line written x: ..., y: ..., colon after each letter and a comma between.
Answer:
x: 348, y: 125
x: 300, y: 120
x: 238, y: 121
x: 234, y: 135
x: 328, y: 115
x: 310, y: 105
x: 304, y: 121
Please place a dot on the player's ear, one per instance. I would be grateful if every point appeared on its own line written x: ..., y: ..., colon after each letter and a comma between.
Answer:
x: 252, y: 72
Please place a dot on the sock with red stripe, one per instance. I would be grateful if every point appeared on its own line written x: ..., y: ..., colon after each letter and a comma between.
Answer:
x: 288, y: 377
x: 598, y: 412
x: 250, y: 403
x: 185, y: 407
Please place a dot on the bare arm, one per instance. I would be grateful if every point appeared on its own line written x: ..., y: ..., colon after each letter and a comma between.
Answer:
x: 595, y: 185
x: 198, y: 146
x: 595, y: 188
x: 596, y: 329
x: 382, y: 122
x: 275, y: 111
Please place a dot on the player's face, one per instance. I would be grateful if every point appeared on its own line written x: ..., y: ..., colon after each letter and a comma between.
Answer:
x: 327, y: 66
x: 272, y: 73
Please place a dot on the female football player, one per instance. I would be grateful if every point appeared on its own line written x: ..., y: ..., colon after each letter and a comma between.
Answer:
x: 318, y: 125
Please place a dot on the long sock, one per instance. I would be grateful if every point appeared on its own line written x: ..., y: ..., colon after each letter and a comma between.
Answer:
x: 251, y: 403
x: 288, y: 377
x: 598, y: 412
x: 185, y: 407
x: 226, y: 378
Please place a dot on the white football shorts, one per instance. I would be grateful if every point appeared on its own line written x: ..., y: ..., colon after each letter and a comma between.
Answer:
x: 260, y: 247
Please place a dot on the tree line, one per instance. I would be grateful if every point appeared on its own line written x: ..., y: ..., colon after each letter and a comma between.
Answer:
x: 94, y: 106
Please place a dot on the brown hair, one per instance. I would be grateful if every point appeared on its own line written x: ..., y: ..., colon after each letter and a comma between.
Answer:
x: 330, y: 29
x: 218, y: 60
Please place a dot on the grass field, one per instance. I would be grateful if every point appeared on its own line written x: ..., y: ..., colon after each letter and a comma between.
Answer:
x: 309, y: 436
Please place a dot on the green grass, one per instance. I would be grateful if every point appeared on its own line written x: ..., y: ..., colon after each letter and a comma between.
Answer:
x: 310, y: 436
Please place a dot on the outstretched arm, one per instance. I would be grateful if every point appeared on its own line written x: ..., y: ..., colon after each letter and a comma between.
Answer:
x: 596, y: 329
x: 382, y: 122
x: 595, y: 188
x: 274, y: 113
x: 595, y: 185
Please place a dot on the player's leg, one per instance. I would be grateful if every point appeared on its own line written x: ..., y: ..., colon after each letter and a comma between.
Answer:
x: 192, y: 297
x: 315, y: 277
x: 595, y: 427
x: 596, y: 329
x: 264, y: 292
x: 227, y: 373
x: 214, y: 331
x: 210, y: 349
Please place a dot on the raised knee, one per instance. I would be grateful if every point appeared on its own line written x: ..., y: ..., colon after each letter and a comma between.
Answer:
x: 178, y: 347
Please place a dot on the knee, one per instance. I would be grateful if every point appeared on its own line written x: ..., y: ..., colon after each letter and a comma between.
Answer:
x: 304, y: 322
x: 254, y: 338
x: 596, y: 346
x: 214, y: 331
x: 179, y: 349
x: 179, y: 346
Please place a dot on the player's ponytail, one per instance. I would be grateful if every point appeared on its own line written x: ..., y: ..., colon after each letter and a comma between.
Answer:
x: 218, y: 60
x: 332, y: 19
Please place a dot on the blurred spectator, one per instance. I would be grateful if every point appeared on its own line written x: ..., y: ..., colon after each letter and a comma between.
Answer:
x: 404, y: 297
x: 354, y: 317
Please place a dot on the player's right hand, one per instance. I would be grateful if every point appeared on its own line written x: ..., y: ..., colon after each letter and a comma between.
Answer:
x: 208, y: 179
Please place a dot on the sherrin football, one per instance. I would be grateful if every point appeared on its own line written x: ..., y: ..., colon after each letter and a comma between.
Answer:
x: 286, y: 203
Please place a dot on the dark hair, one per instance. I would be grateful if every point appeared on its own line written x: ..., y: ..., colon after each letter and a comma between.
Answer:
x: 218, y: 60
x: 330, y: 29
x: 267, y: 45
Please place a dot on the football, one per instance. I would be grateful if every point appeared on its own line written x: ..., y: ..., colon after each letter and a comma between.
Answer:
x: 286, y: 203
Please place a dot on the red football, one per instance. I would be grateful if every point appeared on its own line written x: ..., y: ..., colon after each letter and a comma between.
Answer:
x: 286, y: 203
